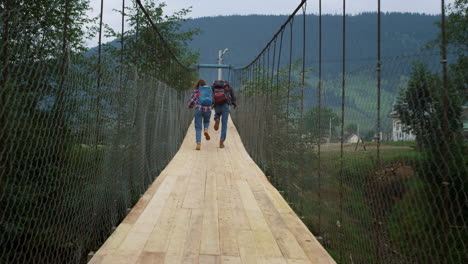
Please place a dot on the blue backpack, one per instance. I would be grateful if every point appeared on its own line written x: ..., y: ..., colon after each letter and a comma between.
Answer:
x: 205, y: 96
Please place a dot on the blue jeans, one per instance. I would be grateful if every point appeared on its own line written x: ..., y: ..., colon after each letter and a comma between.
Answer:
x: 222, y: 111
x: 201, y: 117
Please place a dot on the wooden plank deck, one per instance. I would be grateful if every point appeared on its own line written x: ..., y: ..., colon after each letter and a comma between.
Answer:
x: 212, y: 206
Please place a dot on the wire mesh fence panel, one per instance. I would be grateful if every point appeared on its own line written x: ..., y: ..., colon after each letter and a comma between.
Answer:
x: 82, y: 135
x: 375, y: 163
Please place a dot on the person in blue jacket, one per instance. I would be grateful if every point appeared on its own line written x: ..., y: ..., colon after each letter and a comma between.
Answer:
x: 202, y: 100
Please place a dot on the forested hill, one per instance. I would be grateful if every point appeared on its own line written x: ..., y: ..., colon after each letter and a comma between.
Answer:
x: 402, y: 34
x: 245, y: 36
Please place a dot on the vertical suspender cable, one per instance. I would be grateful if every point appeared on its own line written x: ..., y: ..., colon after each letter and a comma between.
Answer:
x: 122, y: 44
x: 98, y: 87
x: 301, y: 120
x: 3, y: 97
x: 63, y: 68
x: 444, y: 70
x: 290, y: 70
x: 98, y: 105
x: 447, y: 135
x: 379, y: 164
x: 137, y: 29
x: 304, y: 9
x: 342, y: 133
x: 268, y: 71
x: 279, y: 63
x: 264, y: 85
x: 379, y: 71
x: 271, y: 110
x: 319, y: 103
x: 273, y: 67
x: 5, y: 39
x: 280, y: 179
x: 288, y: 194
x: 120, y: 97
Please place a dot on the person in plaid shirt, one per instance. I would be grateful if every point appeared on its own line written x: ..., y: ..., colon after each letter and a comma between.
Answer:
x: 201, y: 100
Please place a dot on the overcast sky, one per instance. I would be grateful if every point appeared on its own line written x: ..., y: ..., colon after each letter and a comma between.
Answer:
x: 201, y: 8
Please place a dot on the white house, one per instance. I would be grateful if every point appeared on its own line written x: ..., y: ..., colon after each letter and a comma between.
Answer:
x: 399, y: 130
x: 353, y: 138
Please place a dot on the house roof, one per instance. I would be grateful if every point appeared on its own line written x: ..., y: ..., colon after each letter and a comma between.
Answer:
x: 351, y: 136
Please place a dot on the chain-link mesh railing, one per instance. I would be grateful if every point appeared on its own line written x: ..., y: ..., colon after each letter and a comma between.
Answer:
x: 373, y: 158
x: 82, y: 135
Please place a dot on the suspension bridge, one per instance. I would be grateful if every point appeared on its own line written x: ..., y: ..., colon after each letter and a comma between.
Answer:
x: 201, y: 212
x: 98, y: 161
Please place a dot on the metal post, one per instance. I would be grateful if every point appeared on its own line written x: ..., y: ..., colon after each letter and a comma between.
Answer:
x: 220, y: 61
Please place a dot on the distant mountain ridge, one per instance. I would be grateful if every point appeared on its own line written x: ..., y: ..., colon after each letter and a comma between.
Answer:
x: 402, y: 34
x: 245, y: 36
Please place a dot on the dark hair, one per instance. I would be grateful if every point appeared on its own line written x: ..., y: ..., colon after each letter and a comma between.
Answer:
x: 200, y: 83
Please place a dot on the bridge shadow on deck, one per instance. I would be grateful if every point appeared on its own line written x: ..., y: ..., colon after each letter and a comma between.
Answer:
x: 212, y: 206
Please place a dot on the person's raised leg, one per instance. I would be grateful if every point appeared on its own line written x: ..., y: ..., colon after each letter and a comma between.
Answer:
x: 198, y: 127
x: 206, y: 124
x: 217, y: 116
x: 225, y: 118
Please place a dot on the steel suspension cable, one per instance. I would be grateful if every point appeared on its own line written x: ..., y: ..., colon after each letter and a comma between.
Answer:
x: 291, y: 17
x: 161, y: 38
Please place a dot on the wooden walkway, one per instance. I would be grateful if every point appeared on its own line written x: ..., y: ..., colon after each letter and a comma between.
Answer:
x: 212, y: 206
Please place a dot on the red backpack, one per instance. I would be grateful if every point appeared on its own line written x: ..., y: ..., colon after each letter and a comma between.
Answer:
x: 220, y: 90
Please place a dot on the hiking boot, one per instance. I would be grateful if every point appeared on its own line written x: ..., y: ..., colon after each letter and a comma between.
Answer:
x: 216, y: 126
x: 198, y: 146
x: 207, y: 136
x: 221, y: 144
